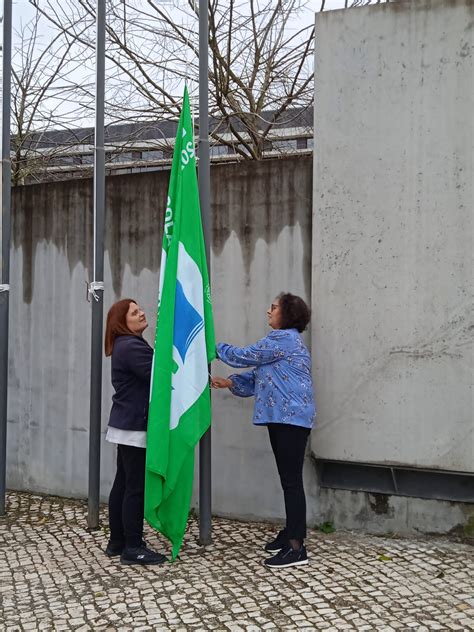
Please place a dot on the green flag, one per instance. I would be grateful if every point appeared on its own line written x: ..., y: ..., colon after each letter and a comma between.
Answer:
x: 180, y: 406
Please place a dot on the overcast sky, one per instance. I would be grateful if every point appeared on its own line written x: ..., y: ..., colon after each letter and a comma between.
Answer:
x: 23, y: 13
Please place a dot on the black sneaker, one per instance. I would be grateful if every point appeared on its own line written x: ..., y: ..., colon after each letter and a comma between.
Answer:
x: 276, y: 545
x: 141, y: 555
x: 113, y: 548
x: 288, y: 557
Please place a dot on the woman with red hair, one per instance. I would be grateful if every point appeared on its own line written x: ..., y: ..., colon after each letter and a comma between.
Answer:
x: 132, y: 359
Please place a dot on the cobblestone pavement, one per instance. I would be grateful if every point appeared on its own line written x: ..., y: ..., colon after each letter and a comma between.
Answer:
x: 54, y: 576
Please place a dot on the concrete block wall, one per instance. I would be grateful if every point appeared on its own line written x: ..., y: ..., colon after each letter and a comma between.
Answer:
x: 261, y: 245
x: 393, y: 234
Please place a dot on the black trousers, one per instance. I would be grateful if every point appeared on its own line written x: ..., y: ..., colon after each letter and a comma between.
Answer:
x: 127, y: 496
x: 289, y: 444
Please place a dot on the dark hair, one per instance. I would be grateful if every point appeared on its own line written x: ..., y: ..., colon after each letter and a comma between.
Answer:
x: 295, y: 314
x: 117, y: 323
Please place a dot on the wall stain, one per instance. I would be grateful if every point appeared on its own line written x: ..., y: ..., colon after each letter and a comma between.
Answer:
x: 134, y: 224
x: 379, y: 503
x: 58, y: 213
x: 256, y: 200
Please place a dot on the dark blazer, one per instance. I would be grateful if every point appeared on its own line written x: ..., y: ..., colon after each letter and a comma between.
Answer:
x: 132, y: 358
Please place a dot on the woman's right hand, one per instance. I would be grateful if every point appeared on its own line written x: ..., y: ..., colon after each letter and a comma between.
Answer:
x: 220, y: 382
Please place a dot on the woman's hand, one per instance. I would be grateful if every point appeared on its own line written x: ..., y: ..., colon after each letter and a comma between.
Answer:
x: 221, y: 382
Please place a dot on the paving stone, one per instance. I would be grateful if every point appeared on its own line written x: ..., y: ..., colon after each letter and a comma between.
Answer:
x: 55, y: 576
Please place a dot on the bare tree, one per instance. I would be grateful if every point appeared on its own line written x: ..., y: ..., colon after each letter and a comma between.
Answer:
x: 44, y: 97
x: 260, y: 72
x: 260, y: 61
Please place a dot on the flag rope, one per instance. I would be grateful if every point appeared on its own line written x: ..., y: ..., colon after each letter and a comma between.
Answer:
x: 92, y: 287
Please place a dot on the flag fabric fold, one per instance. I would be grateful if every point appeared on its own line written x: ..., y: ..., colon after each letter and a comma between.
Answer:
x: 180, y: 406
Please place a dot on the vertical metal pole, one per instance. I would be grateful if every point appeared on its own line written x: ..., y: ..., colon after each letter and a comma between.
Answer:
x: 97, y: 304
x: 205, y: 527
x: 5, y: 239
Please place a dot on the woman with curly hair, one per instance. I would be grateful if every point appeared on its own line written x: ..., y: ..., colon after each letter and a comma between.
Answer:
x: 280, y: 380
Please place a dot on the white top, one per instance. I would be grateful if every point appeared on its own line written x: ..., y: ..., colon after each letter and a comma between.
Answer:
x: 136, y: 438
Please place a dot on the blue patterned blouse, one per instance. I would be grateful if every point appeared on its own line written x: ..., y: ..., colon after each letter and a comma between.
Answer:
x: 280, y: 380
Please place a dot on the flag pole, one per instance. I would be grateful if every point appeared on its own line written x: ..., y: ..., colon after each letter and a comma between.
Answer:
x: 205, y: 511
x: 5, y: 233
x: 96, y: 290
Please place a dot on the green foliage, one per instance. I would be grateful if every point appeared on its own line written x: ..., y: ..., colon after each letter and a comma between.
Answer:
x: 469, y: 528
x: 384, y: 558
x: 326, y: 527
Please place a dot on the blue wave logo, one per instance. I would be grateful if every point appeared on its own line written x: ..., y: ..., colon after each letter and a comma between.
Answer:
x: 187, y: 322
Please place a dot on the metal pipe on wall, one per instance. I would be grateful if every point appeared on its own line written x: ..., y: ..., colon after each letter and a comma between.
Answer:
x: 5, y: 240
x: 96, y: 288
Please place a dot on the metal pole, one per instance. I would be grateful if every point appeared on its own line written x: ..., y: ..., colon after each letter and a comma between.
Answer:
x: 5, y: 238
x: 98, y: 294
x: 205, y: 488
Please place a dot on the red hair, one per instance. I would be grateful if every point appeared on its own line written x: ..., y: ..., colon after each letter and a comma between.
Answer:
x: 117, y: 323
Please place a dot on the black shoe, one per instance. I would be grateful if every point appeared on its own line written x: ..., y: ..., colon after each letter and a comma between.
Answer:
x: 288, y: 557
x: 113, y: 548
x: 280, y: 542
x: 141, y: 555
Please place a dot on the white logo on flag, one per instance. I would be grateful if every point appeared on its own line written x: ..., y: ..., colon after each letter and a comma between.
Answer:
x: 189, y: 342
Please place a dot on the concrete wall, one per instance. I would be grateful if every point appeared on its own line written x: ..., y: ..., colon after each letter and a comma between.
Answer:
x: 386, y: 258
x: 393, y: 234
x: 50, y: 319
x: 261, y: 245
